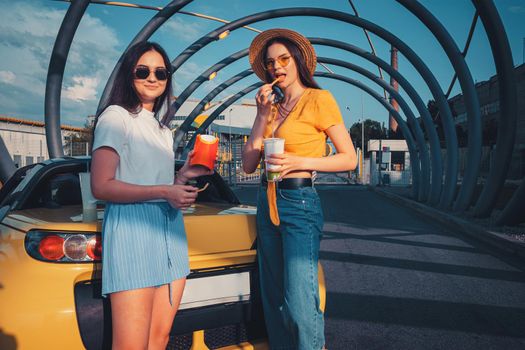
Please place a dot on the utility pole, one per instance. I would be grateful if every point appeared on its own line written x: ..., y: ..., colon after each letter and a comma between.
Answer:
x: 230, y: 148
x: 361, y: 159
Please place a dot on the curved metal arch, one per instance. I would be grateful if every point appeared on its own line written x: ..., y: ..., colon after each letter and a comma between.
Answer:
x: 512, y: 214
x: 508, y: 112
x: 435, y: 147
x: 449, y: 189
x: 208, y: 98
x: 204, y: 76
x: 185, y: 127
x: 466, y: 191
x: 228, y: 103
x: 55, y: 75
x: 414, y: 166
x: 422, y: 158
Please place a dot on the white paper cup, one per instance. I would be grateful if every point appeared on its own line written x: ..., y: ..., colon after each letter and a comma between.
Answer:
x: 273, y: 146
x: 89, y: 202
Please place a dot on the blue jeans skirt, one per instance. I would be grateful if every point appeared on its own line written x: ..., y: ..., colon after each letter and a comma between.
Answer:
x: 288, y: 255
x: 143, y: 245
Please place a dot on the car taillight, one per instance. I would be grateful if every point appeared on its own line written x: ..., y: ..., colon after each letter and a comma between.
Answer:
x: 75, y: 247
x: 64, y: 247
x: 52, y: 247
x: 94, y: 248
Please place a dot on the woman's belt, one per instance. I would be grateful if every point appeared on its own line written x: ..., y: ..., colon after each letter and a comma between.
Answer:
x: 290, y: 183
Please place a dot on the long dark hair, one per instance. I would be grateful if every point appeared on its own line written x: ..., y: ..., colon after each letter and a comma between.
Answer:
x: 123, y: 94
x: 304, y: 74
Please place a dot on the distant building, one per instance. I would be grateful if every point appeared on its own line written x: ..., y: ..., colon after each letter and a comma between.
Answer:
x: 26, y: 140
x: 240, y: 116
x: 388, y: 163
x: 488, y: 95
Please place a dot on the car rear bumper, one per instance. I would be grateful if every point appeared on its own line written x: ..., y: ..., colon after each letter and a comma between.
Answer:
x: 224, y: 324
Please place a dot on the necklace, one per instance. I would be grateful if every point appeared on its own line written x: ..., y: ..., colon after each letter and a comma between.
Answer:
x: 282, y: 111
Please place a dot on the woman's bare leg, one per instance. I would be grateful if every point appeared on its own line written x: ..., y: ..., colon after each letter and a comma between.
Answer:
x: 131, y: 318
x: 163, y: 313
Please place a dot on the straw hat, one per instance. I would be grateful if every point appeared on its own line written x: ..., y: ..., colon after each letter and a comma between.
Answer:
x: 258, y: 44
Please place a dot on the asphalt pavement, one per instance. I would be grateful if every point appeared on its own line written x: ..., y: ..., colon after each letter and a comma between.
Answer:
x: 398, y: 280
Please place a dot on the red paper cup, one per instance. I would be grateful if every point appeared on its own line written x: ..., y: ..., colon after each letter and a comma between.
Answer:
x: 205, y: 151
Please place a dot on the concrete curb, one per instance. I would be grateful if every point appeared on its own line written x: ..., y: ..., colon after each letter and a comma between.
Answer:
x: 497, y: 240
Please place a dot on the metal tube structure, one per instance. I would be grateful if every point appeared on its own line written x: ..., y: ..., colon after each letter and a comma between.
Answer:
x: 433, y: 140
x: 7, y: 166
x: 493, y: 27
x: 204, y: 76
x: 448, y: 125
x: 512, y: 214
x: 179, y: 133
x: 414, y: 166
x: 208, y: 98
x: 466, y: 191
x: 508, y: 102
x: 55, y: 75
x: 228, y: 103
x: 421, y: 158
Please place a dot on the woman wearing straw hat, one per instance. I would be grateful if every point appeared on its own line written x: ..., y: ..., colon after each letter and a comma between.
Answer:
x: 289, y: 215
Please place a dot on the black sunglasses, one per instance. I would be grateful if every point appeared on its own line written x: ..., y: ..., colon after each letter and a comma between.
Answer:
x: 144, y: 72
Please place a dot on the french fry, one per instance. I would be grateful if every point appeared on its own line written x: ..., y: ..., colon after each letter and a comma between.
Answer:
x: 275, y: 81
x: 203, y: 188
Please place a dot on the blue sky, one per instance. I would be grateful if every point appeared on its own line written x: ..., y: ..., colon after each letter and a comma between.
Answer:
x: 28, y: 30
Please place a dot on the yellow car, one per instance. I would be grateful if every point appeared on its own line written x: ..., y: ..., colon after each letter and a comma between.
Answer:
x: 50, y: 269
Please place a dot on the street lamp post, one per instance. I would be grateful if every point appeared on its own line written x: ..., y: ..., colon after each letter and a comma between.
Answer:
x: 361, y: 160
x: 230, y: 144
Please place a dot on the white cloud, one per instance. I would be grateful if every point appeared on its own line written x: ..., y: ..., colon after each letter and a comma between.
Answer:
x: 185, y: 75
x: 517, y: 9
x: 187, y: 30
x: 27, y: 35
x: 85, y: 89
x: 7, y: 76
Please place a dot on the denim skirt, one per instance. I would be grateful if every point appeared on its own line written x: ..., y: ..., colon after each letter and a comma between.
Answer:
x: 143, y: 245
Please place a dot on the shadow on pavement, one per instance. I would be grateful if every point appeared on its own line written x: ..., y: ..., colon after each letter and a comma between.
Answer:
x: 433, y: 314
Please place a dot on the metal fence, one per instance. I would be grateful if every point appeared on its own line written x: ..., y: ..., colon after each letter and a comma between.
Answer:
x: 229, y: 164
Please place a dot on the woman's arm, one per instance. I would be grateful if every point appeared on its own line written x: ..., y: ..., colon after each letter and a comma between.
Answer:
x: 345, y: 158
x: 105, y: 187
x: 251, y: 153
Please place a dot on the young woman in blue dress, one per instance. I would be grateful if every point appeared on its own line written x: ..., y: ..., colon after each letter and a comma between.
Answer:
x: 145, y: 255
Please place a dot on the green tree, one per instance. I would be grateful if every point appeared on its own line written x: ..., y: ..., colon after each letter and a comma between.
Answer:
x: 373, y: 131
x: 75, y: 142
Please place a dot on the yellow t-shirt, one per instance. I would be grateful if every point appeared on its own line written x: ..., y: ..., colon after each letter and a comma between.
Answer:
x: 304, y: 128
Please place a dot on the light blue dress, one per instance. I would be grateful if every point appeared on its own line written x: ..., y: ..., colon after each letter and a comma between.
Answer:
x: 144, y: 245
